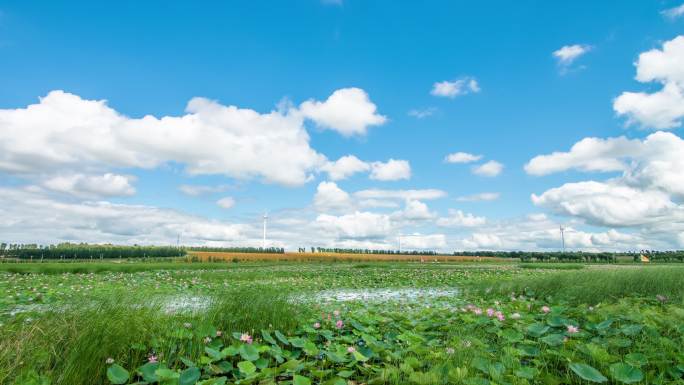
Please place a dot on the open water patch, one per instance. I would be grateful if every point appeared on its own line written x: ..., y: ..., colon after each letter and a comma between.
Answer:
x: 385, y: 294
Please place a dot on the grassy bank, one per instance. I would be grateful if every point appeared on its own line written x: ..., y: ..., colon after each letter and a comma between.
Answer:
x: 70, y: 345
x: 593, y: 286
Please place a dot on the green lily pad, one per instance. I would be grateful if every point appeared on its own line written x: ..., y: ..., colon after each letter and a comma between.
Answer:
x: 246, y: 367
x: 117, y: 374
x: 626, y: 373
x: 249, y: 352
x: 587, y: 372
x: 537, y: 329
x: 189, y: 376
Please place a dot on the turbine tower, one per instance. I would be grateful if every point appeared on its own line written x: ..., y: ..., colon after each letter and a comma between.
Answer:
x: 264, y: 242
x: 562, y: 234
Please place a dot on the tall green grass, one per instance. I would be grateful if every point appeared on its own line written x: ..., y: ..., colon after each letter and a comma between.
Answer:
x: 551, y: 266
x: 593, y: 286
x: 71, y: 345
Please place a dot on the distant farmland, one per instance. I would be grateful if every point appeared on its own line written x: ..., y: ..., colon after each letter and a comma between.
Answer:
x: 329, y: 257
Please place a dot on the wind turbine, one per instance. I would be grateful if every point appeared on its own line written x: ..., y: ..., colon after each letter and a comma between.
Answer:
x: 265, y: 219
x: 562, y: 234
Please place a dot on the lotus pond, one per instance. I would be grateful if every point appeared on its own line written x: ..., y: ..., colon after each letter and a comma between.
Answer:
x: 343, y: 324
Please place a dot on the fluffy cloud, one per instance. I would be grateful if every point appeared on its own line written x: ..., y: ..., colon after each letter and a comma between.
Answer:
x: 390, y: 170
x: 89, y: 186
x: 462, y: 157
x: 488, y: 169
x: 674, y: 13
x: 345, y: 167
x: 348, y: 111
x: 647, y: 194
x: 537, y: 232
x: 226, y: 202
x: 662, y: 109
x: 64, y: 132
x: 589, y: 154
x: 652, y: 163
x: 359, y: 225
x: 349, y: 165
x: 567, y: 54
x: 609, y: 204
x: 454, y: 88
x: 423, y: 241
x: 25, y: 220
x: 486, y: 196
x: 458, y: 218
x: 330, y: 197
x: 414, y: 211
x: 67, y: 132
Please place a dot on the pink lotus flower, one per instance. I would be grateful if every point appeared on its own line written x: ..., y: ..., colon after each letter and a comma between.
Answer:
x: 246, y: 338
x: 336, y: 313
x: 152, y: 358
x: 545, y: 309
x: 490, y: 312
x: 500, y: 316
x: 573, y: 329
x: 477, y: 311
x: 351, y: 349
x: 339, y: 324
x: 317, y: 325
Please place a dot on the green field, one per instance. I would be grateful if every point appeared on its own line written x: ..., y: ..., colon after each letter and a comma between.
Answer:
x: 340, y: 323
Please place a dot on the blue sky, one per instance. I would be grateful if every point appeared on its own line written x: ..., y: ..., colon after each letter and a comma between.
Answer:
x: 152, y: 58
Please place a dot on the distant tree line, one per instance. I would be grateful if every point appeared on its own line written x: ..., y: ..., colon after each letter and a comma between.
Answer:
x: 367, y: 251
x: 87, y: 251
x: 581, y: 256
x: 268, y: 250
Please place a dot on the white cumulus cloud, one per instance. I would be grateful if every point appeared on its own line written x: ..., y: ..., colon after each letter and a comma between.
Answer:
x: 358, y: 225
x: 345, y: 167
x: 663, y: 109
x: 609, y: 204
x: 488, y: 169
x: 330, y: 197
x: 454, y: 88
x: 348, y: 111
x: 674, y: 12
x: 462, y: 157
x: 458, y: 218
x: 567, y: 54
x: 86, y: 186
x: 391, y: 170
